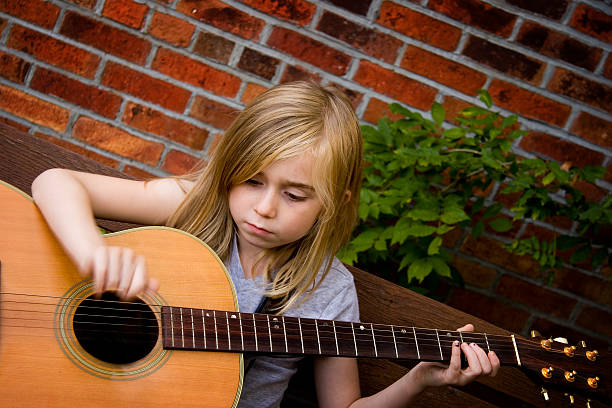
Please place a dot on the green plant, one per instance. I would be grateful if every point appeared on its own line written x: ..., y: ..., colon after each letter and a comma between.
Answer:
x: 423, y: 180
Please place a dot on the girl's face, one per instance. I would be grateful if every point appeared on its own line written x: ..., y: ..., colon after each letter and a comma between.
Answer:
x: 277, y: 206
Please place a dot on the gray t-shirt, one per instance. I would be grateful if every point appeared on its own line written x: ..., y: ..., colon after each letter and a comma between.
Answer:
x: 267, y: 377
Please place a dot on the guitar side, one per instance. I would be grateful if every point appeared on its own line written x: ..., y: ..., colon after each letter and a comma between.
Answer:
x: 41, y: 363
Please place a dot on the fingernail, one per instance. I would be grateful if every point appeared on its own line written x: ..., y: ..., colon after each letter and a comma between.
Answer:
x: 473, y: 344
x: 456, y: 343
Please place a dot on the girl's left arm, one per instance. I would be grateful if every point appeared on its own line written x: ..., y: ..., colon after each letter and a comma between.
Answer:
x: 337, y: 378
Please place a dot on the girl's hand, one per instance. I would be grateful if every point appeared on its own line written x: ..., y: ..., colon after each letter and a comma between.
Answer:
x: 118, y: 268
x: 479, y: 363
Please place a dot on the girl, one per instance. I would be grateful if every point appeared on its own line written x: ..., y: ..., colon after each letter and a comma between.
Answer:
x: 277, y: 200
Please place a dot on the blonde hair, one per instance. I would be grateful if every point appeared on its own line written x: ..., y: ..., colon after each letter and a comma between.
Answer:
x: 283, y: 122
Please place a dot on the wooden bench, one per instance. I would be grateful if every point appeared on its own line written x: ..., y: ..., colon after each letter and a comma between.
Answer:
x: 23, y: 157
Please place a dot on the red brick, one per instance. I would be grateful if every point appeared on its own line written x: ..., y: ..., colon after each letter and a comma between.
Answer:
x: 354, y: 6
x: 372, y: 42
x: 592, y: 22
x: 476, y: 14
x: 33, y: 109
x: 608, y: 67
x: 251, y: 92
x: 589, y: 287
x: 106, y: 38
x: 152, y: 121
x: 257, y: 63
x: 560, y: 150
x: 551, y: 9
x: 13, y: 68
x: 178, y: 163
x: 596, y: 320
x: 137, y: 172
x: 54, y: 52
x: 542, y: 233
x: 492, y: 251
x: 107, y: 161
x: 558, y: 45
x: 529, y: 104
x: 535, y: 296
x: 196, y: 73
x: 309, y: 50
x: 593, y: 129
x: 293, y: 73
x: 395, y: 85
x: 2, y: 24
x: 353, y: 96
x: 214, y: 46
x: 592, y: 192
x: 608, y: 176
x: 212, y: 112
x: 84, y: 3
x: 223, y: 16
x: 442, y: 70
x: 127, y: 12
x: 14, y: 124
x: 583, y: 89
x: 474, y: 273
x: 504, y: 59
x: 171, y: 29
x: 378, y: 109
x: 296, y: 11
x: 453, y: 106
x: 89, y: 97
x: 117, y: 141
x: 41, y: 13
x: 489, y: 309
x: 419, y: 26
x: 145, y: 87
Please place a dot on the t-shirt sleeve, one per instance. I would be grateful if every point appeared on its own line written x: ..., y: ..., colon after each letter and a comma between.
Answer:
x: 344, y: 305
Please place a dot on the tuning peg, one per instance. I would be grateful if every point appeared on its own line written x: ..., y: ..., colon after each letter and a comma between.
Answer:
x: 547, y: 372
x: 571, y: 398
x: 546, y: 344
x: 544, y: 393
x: 582, y: 343
x: 535, y: 333
x: 561, y: 340
x: 592, y: 355
x: 593, y: 382
x: 570, y: 376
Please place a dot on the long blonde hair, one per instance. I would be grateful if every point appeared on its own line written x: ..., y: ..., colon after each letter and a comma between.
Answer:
x: 285, y: 121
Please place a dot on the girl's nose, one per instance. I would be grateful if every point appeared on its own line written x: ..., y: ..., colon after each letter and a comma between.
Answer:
x: 266, y: 206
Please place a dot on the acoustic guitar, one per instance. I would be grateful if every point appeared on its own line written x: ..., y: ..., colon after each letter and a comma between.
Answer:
x: 62, y: 346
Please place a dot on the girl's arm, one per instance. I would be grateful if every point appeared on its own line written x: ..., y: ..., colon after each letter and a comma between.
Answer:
x: 337, y: 378
x: 69, y: 202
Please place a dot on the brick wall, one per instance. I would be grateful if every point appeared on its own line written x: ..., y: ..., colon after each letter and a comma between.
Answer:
x: 145, y: 87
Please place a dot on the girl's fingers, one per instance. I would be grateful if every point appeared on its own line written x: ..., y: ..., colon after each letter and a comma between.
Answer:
x: 127, y: 272
x: 467, y: 328
x: 139, y: 279
x: 113, y: 274
x: 494, y: 363
x: 483, y: 359
x: 474, y: 368
x: 99, y: 267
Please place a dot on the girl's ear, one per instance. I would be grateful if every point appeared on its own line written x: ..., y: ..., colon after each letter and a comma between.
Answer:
x: 347, y: 197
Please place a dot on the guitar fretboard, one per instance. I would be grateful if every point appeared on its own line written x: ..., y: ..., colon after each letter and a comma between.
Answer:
x: 214, y: 330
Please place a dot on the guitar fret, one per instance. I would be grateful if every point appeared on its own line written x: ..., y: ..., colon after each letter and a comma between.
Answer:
x: 374, y: 340
x: 354, y: 338
x: 416, y: 343
x: 461, y: 336
x: 204, y: 329
x: 269, y: 331
x: 301, y: 336
x: 255, y: 331
x: 487, y: 340
x: 229, y: 339
x: 216, y: 336
x: 172, y: 326
x: 241, y: 335
x: 192, y: 328
x: 285, y: 332
x: 335, y: 337
x: 318, y: 338
x: 182, y: 330
x: 439, y: 345
x: 394, y: 341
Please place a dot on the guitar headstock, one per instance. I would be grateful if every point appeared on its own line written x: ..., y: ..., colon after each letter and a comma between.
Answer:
x: 574, y: 369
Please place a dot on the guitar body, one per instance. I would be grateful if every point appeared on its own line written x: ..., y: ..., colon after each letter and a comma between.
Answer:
x: 41, y: 360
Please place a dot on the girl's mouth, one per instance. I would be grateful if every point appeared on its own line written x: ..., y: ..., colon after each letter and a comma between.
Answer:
x: 257, y: 230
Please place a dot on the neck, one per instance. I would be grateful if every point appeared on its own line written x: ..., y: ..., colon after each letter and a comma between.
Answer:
x: 196, y: 329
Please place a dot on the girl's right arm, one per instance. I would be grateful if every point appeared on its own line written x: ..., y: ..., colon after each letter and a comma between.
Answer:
x: 70, y: 201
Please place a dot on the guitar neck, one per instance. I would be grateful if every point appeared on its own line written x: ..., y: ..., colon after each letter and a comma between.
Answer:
x: 213, y: 330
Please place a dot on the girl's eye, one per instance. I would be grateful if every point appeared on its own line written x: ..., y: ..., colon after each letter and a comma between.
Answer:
x: 294, y: 197
x: 252, y: 182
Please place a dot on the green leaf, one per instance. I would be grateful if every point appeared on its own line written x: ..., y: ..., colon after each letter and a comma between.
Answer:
x: 509, y: 121
x: 477, y: 229
x: 501, y: 224
x: 419, y: 269
x: 365, y: 240
x: 485, y: 97
x: 492, y: 211
x: 437, y: 113
x: 418, y: 229
x: 565, y: 242
x: 443, y: 229
x: 440, y: 266
x: 453, y: 215
x: 434, y: 246
x: 454, y: 133
x: 550, y: 177
x: 581, y: 254
x: 599, y: 257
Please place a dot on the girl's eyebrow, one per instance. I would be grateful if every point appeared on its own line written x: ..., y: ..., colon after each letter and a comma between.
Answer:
x: 300, y: 185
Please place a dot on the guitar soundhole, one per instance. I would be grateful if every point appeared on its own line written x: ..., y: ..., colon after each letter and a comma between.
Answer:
x: 114, y: 331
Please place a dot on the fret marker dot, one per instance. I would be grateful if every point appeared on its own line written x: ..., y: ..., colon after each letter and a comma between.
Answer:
x: 233, y: 316
x: 276, y: 326
x: 403, y: 330
x: 361, y: 327
x: 207, y: 314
